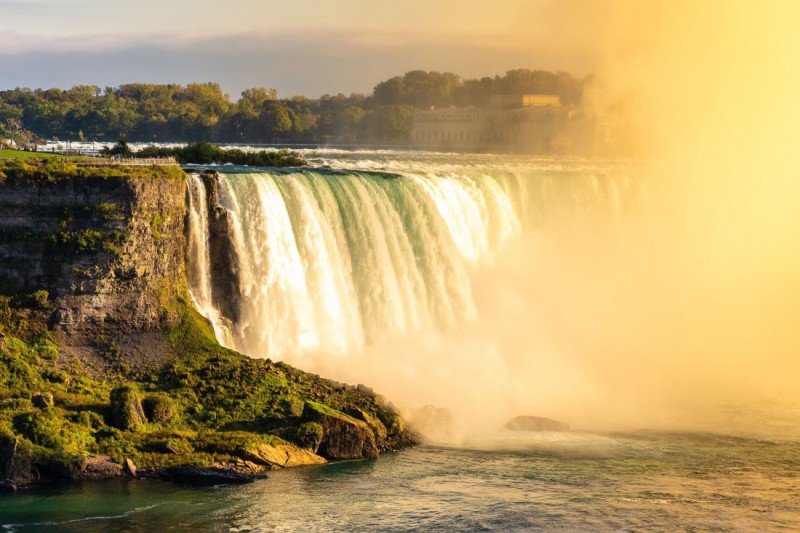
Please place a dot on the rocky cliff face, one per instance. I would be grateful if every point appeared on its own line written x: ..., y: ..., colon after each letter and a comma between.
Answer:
x: 109, y: 252
x: 224, y: 264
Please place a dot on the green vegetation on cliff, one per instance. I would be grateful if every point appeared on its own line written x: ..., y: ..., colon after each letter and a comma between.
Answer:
x: 204, y: 405
x: 50, y: 170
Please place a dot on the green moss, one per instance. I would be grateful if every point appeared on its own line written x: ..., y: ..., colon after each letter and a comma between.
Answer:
x: 156, y: 223
x: 107, y: 211
x: 88, y: 240
x: 50, y: 430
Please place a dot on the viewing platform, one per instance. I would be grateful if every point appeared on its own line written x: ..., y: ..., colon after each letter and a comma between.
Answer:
x: 124, y: 161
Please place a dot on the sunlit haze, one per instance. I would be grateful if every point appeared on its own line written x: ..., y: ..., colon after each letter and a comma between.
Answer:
x: 305, y: 47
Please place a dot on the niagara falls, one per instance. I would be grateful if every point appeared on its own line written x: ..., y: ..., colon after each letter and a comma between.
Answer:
x: 528, y: 265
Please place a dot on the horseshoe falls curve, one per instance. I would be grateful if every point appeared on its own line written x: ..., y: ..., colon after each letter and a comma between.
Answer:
x: 335, y: 261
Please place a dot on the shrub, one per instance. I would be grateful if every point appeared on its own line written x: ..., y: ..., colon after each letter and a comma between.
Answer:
x: 41, y: 427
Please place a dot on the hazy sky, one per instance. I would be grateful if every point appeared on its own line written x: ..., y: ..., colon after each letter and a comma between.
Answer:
x: 303, y: 46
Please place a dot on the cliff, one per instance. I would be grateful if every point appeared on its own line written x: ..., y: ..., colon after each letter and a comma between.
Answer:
x: 105, y: 366
x: 107, y: 249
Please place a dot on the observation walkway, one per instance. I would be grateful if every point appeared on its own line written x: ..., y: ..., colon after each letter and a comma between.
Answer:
x: 124, y: 161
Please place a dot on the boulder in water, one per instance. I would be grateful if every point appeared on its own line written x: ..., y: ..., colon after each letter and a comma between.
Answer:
x: 94, y: 467
x: 202, y: 476
x: 130, y: 468
x: 536, y: 423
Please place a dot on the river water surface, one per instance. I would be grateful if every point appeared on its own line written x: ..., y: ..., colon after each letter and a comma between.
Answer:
x: 574, y: 481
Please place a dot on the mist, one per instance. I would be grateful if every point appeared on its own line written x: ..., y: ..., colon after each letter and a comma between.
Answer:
x: 683, y: 313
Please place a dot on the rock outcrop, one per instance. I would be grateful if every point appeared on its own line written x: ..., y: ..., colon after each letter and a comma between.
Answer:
x: 42, y: 400
x: 224, y: 263
x: 344, y: 437
x: 94, y: 467
x: 106, y: 249
x: 203, y: 476
x: 16, y: 463
x: 159, y: 409
x: 281, y: 456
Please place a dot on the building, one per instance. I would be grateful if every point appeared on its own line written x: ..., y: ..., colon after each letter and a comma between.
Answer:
x: 527, y: 123
x: 525, y: 100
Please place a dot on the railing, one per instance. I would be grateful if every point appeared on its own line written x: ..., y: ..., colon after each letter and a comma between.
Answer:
x: 127, y: 161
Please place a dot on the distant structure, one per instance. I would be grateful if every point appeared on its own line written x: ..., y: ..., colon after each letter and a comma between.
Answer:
x: 525, y: 100
x: 527, y: 123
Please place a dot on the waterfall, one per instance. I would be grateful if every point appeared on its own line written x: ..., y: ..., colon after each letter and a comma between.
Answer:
x: 334, y: 261
x: 199, y: 261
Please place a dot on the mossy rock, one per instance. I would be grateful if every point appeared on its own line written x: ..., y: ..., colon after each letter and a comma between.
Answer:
x: 377, y: 427
x: 42, y: 400
x: 344, y: 437
x: 309, y: 435
x: 159, y: 409
x: 126, y: 408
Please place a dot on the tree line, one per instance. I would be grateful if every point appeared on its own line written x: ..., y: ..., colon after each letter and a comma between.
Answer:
x: 203, y: 111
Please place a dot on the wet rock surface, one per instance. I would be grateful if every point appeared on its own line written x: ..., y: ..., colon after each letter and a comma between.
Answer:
x: 203, y: 476
x: 16, y: 462
x: 94, y: 467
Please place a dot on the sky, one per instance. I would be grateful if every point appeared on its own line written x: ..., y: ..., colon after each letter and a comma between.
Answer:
x: 309, y: 47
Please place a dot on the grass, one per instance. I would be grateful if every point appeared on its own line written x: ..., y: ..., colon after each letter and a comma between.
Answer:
x: 51, y: 169
x: 19, y: 154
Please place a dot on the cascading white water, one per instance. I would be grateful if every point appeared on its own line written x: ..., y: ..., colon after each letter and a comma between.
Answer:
x: 334, y: 261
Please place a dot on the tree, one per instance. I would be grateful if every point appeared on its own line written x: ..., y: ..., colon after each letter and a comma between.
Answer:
x: 121, y: 148
x: 277, y: 120
x: 16, y: 132
x: 387, y: 123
